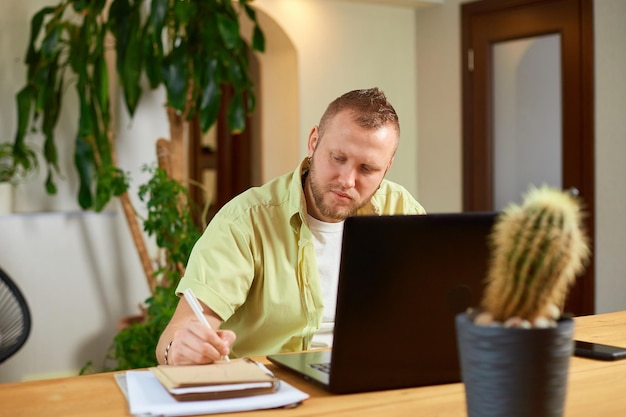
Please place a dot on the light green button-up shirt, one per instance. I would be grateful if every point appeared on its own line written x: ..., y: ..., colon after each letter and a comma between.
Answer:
x: 255, y: 264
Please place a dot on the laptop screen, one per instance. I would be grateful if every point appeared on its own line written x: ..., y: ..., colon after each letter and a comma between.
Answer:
x: 402, y: 280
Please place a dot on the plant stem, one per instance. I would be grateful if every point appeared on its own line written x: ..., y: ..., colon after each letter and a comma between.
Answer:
x: 138, y: 239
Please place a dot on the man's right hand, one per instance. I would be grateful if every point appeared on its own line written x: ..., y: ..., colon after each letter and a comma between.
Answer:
x: 190, y: 342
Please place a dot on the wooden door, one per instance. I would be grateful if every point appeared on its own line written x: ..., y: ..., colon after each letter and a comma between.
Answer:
x: 222, y: 164
x: 487, y: 23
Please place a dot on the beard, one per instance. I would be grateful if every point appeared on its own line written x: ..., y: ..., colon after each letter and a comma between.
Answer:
x: 333, y: 211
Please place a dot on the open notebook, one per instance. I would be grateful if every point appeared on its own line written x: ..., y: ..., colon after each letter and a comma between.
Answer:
x: 402, y: 280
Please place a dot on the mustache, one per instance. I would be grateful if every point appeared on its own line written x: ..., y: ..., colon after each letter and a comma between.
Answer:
x: 342, y: 191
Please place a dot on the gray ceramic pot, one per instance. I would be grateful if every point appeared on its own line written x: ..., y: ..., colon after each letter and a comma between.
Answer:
x: 514, y: 372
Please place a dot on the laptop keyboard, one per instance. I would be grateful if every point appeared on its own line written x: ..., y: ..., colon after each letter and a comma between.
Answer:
x: 322, y: 367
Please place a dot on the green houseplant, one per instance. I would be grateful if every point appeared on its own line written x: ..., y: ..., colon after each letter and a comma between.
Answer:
x: 12, y: 174
x: 515, y: 350
x: 175, y: 232
x: 190, y: 48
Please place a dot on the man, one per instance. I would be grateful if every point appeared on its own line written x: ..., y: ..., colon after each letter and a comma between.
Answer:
x: 266, y: 267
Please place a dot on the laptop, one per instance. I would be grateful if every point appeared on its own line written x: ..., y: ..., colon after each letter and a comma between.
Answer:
x: 402, y: 280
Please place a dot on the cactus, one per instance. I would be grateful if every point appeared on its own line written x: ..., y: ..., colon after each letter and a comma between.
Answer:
x: 537, y: 250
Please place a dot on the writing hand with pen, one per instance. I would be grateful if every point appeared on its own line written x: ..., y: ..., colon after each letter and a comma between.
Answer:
x: 194, y: 336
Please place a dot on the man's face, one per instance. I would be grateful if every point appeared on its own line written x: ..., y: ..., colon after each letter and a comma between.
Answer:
x: 348, y: 164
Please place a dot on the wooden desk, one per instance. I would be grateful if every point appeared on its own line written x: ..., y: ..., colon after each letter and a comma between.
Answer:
x: 595, y: 389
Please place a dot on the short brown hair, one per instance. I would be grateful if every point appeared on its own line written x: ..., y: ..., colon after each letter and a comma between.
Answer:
x: 370, y: 108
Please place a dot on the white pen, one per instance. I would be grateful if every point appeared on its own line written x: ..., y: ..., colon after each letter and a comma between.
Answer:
x: 197, y: 309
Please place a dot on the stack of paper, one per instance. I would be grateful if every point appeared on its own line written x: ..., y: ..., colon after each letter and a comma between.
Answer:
x: 237, y: 378
x: 148, y: 396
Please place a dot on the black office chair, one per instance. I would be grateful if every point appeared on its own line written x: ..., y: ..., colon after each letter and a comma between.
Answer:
x: 14, y: 318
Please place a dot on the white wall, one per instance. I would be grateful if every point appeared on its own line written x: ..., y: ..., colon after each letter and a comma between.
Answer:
x: 79, y: 270
x: 610, y: 137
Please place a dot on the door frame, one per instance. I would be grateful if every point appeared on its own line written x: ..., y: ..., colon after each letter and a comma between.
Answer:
x: 488, y: 21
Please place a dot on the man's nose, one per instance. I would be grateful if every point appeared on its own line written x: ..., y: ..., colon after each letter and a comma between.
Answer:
x: 347, y: 177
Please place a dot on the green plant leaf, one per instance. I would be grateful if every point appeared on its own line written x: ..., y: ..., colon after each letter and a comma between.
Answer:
x: 35, y: 27
x: 125, y: 25
x: 51, y: 99
x: 50, y: 151
x: 51, y: 187
x: 250, y: 12
x: 236, y: 69
x: 85, y: 120
x: 184, y: 11
x: 131, y: 72
x: 83, y: 160
x: 50, y: 44
x: 101, y: 87
x: 236, y: 113
x: 110, y: 182
x: 92, y: 6
x: 158, y: 11
x: 250, y: 101
x: 175, y: 76
x: 210, y: 97
x: 24, y: 99
x: 229, y: 30
x: 153, y: 55
x: 258, y: 38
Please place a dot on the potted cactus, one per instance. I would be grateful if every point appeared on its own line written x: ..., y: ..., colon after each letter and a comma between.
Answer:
x: 515, y: 349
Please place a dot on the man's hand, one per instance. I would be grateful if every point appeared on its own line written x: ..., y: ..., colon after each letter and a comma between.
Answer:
x: 187, y: 341
x: 194, y: 344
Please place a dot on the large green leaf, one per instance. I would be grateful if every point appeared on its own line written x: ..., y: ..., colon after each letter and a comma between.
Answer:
x: 237, y: 113
x: 51, y: 99
x: 152, y: 42
x: 85, y: 119
x: 83, y: 160
x: 229, y: 30
x: 50, y: 118
x: 158, y: 11
x: 210, y: 97
x: 111, y: 182
x: 250, y: 101
x: 125, y: 25
x: 101, y: 79
x: 153, y: 56
x: 250, y: 12
x: 44, y: 81
x: 24, y: 99
x: 235, y: 71
x: 175, y: 76
x: 131, y: 71
x: 184, y: 12
x: 51, y: 153
x: 35, y: 27
x: 50, y: 44
x: 92, y: 6
x: 258, y: 38
x: 51, y: 187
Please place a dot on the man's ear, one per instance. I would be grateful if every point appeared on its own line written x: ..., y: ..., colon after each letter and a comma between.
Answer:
x: 313, y: 139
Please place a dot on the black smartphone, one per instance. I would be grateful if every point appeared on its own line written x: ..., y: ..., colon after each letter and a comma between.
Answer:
x: 598, y: 351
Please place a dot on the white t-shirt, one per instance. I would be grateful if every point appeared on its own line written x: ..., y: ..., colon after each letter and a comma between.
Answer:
x: 327, y: 240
